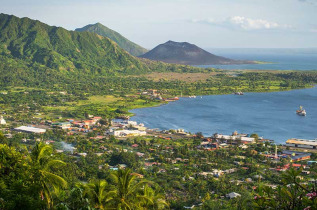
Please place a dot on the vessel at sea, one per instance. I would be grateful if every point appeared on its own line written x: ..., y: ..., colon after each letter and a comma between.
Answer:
x: 239, y: 93
x: 301, y: 111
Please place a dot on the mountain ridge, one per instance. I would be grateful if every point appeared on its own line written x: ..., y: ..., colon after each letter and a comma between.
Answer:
x: 58, y: 48
x: 123, y: 42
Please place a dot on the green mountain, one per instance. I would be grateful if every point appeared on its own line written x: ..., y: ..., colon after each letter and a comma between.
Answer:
x: 35, y: 54
x: 123, y: 42
x: 54, y: 47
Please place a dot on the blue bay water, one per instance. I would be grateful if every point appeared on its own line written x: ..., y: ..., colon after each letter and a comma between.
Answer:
x: 271, y: 115
x: 280, y: 59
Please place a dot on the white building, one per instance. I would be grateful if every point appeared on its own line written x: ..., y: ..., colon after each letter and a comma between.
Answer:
x: 233, y: 195
x: 243, y: 139
x: 2, y: 121
x: 124, y: 133
x: 29, y: 129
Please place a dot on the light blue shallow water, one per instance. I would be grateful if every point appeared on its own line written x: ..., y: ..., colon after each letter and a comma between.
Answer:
x: 271, y: 115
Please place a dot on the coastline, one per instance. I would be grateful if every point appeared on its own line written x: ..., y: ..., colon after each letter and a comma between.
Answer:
x: 160, y: 103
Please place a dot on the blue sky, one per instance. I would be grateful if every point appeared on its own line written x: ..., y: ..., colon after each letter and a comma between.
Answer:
x: 206, y: 23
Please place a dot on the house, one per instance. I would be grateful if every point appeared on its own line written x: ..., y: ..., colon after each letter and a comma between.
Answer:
x: 139, y: 154
x: 209, y: 146
x: 88, y: 123
x: 95, y: 119
x: 233, y: 195
x: 64, y: 125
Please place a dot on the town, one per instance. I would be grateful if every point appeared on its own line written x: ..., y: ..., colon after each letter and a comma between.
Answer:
x: 234, y: 166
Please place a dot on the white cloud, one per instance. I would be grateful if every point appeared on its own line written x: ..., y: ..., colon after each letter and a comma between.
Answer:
x: 244, y: 23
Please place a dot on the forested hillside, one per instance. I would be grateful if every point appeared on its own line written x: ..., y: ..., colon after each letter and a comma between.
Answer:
x: 123, y: 42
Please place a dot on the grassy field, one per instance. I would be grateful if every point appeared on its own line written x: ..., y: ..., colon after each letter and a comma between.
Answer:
x: 98, y: 105
x: 186, y: 77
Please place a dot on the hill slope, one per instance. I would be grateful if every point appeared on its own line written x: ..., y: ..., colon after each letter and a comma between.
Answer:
x: 186, y: 53
x: 56, y: 48
x: 123, y: 42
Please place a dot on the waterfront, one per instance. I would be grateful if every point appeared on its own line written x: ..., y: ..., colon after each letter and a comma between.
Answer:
x: 271, y: 115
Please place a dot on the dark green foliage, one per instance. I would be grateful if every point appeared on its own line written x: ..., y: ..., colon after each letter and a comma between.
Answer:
x: 130, y: 159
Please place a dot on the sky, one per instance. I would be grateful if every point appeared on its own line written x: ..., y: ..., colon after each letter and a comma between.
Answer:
x: 206, y: 23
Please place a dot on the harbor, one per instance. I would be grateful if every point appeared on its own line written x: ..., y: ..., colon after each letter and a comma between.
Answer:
x: 272, y: 115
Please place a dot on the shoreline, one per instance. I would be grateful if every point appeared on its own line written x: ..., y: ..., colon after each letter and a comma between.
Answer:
x: 159, y: 103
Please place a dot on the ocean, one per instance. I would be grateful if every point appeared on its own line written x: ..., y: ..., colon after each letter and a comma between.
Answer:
x: 271, y: 115
x: 279, y: 59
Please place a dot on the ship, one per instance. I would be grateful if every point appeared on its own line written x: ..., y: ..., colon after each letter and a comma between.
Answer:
x: 238, y: 93
x: 301, y: 111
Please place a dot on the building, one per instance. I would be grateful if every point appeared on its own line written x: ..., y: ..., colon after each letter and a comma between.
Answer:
x: 30, y: 129
x: 296, y: 156
x: 209, y: 146
x: 311, y: 162
x: 65, y: 125
x: 302, y: 143
x: 234, y: 139
x: 95, y: 119
x: 127, y: 133
x: 2, y: 121
x: 233, y: 195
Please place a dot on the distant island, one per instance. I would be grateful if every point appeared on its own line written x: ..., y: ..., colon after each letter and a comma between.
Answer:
x: 188, y: 54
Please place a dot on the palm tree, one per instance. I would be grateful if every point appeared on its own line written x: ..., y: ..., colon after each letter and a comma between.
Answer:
x: 128, y: 193
x: 42, y: 164
x: 96, y: 190
x: 153, y: 199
